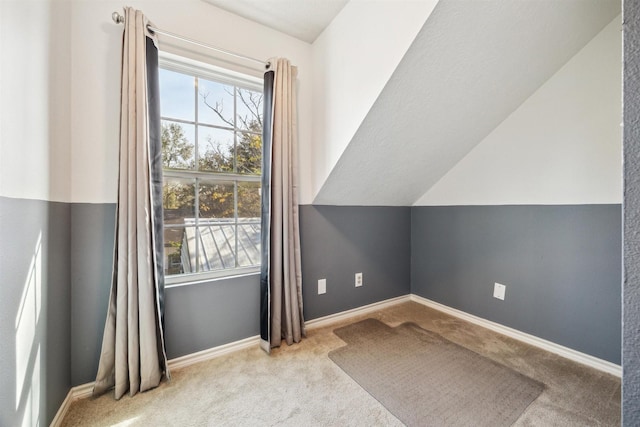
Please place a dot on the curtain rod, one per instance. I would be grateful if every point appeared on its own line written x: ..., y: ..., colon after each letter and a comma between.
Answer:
x: 119, y: 19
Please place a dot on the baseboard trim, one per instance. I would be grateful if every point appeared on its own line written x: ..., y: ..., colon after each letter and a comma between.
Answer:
x: 345, y: 315
x: 574, y: 355
x: 212, y: 353
x: 75, y: 393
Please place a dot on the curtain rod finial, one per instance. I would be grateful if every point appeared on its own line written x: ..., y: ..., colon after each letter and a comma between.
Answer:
x: 117, y: 18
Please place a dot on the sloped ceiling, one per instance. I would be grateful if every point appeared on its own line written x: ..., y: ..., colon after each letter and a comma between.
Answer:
x: 471, y: 65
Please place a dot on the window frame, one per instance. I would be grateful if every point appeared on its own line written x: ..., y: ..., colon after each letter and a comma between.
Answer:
x: 200, y: 70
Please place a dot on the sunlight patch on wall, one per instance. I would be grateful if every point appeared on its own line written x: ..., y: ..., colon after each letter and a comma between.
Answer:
x: 27, y: 341
x: 31, y: 415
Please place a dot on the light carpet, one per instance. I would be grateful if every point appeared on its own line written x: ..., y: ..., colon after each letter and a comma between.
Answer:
x: 425, y: 379
x: 301, y: 386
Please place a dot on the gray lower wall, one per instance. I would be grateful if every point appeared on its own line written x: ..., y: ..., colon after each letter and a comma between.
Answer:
x: 34, y: 319
x: 339, y: 241
x: 205, y: 315
x: 631, y: 290
x: 92, y: 237
x: 560, y: 264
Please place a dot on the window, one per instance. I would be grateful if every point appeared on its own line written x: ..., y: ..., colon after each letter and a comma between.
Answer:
x: 212, y: 160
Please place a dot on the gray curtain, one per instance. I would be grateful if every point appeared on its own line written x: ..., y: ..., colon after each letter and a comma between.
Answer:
x: 133, y: 357
x: 281, y: 276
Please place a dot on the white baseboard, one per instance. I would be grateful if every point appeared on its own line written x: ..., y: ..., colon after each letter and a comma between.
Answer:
x: 574, y: 355
x: 344, y: 315
x: 212, y: 353
x: 79, y: 392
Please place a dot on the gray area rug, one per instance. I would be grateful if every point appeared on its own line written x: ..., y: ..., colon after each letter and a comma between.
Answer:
x: 426, y: 380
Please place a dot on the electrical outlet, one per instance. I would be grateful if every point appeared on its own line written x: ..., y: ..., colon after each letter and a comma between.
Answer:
x: 499, y: 290
x: 358, y: 280
x: 322, y: 286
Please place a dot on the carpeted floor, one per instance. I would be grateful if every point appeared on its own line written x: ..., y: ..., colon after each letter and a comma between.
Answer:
x: 300, y: 385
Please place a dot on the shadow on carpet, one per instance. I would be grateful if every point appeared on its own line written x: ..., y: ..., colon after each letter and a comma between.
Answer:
x: 424, y: 379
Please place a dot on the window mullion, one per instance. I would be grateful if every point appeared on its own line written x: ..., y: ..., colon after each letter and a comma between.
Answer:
x: 196, y: 167
x: 197, y: 225
x: 235, y: 169
x: 235, y: 216
x: 210, y: 176
x: 235, y: 129
x: 195, y: 143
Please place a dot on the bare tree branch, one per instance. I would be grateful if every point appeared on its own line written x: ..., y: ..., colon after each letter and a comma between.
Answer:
x: 251, y: 100
x: 244, y: 121
x: 218, y: 109
x: 253, y: 104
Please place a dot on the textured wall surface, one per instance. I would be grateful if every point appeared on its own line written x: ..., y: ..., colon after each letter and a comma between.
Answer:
x: 208, y: 314
x: 35, y: 92
x: 92, y: 231
x: 339, y: 241
x: 560, y: 264
x: 34, y: 319
x: 631, y: 290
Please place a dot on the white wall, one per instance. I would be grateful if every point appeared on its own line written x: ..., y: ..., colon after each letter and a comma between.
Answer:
x: 352, y: 60
x: 561, y: 146
x: 95, y: 93
x: 34, y: 99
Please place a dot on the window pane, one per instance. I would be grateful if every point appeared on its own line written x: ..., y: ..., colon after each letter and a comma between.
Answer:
x: 176, y: 260
x: 248, y: 243
x: 215, y: 148
x: 178, y: 148
x: 249, y: 153
x: 215, y: 103
x: 249, y: 110
x: 217, y: 244
x: 216, y: 200
x: 178, y: 201
x: 177, y: 95
x: 249, y: 200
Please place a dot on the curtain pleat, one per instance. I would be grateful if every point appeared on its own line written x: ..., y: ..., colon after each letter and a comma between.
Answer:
x: 133, y: 357
x: 281, y: 276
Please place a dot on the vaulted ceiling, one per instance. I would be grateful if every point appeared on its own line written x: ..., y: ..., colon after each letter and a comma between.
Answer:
x: 471, y: 65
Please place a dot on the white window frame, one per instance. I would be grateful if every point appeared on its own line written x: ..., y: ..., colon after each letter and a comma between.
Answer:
x: 198, y: 69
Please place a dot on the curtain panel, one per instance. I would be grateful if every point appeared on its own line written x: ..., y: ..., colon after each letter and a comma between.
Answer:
x: 281, y: 315
x: 133, y: 356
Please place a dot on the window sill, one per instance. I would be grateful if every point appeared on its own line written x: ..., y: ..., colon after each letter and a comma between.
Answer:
x: 199, y: 278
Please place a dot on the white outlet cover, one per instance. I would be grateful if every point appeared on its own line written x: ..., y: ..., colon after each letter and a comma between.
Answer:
x: 322, y: 286
x: 499, y: 291
x: 358, y: 279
